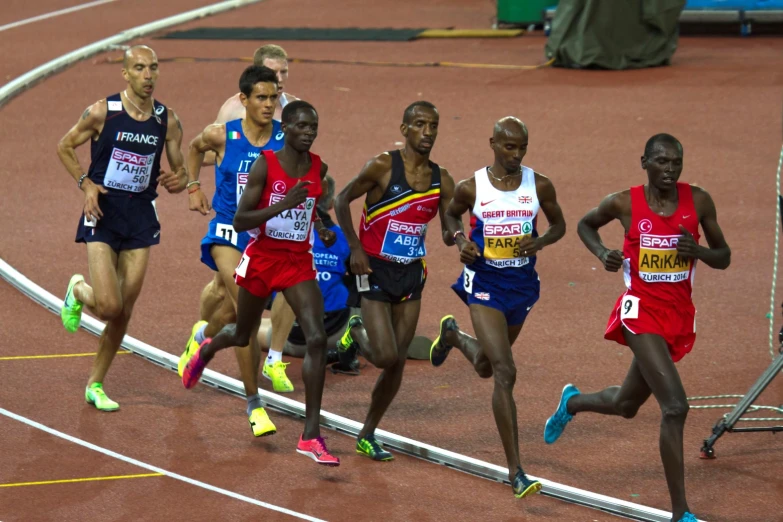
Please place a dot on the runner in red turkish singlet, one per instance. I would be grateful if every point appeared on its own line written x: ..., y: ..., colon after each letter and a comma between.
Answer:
x: 654, y: 317
x: 659, y: 280
x: 277, y: 208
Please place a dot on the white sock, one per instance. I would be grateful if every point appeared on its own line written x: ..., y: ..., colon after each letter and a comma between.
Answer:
x: 200, y: 334
x: 274, y: 356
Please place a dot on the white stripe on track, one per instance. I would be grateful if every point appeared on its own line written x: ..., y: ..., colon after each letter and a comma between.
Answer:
x: 156, y: 469
x: 53, y: 14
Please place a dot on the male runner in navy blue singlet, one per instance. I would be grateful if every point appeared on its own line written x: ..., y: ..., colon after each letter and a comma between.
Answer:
x: 128, y: 132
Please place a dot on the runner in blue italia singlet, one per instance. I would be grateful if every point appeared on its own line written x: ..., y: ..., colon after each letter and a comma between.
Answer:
x: 230, y: 180
x: 237, y: 144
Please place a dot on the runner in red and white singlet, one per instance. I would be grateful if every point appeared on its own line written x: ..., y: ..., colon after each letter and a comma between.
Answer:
x: 277, y: 208
x: 655, y: 315
x: 659, y: 280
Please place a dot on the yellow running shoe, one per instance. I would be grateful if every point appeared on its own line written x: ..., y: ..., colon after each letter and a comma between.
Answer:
x: 190, y: 348
x: 275, y: 372
x: 260, y: 423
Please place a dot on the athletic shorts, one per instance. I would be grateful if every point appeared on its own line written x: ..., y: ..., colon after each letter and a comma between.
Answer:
x: 221, y: 233
x: 263, y: 272
x: 389, y: 282
x: 488, y: 289
x: 128, y: 223
x: 334, y: 324
x: 675, y: 323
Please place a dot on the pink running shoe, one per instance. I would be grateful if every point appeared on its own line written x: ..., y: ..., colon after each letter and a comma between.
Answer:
x: 316, y: 450
x: 194, y: 367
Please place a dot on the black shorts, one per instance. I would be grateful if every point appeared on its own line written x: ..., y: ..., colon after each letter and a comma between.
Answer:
x: 128, y: 223
x: 390, y: 282
x: 334, y: 322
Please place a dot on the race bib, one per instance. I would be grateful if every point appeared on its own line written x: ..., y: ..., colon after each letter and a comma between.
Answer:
x: 241, y: 184
x: 128, y: 171
x: 292, y: 224
x: 467, y: 279
x: 501, y: 244
x: 227, y: 232
x: 241, y: 269
x: 659, y: 262
x: 629, y: 307
x: 404, y: 242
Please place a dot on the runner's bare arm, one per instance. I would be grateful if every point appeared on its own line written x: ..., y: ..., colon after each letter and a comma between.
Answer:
x: 328, y: 237
x: 175, y: 180
x: 248, y: 216
x: 212, y: 138
x: 89, y: 126
x: 547, y: 199
x: 463, y: 201
x: 718, y: 255
x: 368, y: 179
x: 232, y: 109
x: 614, y: 206
x: 446, y: 195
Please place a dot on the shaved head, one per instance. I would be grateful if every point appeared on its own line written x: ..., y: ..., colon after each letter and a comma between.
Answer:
x: 509, y: 126
x: 509, y: 142
x: 132, y: 52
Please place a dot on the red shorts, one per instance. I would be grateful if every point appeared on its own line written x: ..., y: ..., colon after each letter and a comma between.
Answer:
x: 262, y: 272
x: 676, y: 324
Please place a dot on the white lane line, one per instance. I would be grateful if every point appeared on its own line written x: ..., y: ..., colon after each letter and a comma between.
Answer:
x: 156, y: 469
x: 53, y: 14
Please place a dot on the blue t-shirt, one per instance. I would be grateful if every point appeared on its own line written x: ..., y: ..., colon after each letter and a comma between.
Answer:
x: 232, y: 173
x: 331, y: 265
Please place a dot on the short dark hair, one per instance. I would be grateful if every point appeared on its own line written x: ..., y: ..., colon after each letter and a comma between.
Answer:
x: 290, y: 110
x: 660, y: 138
x: 253, y: 75
x: 408, y: 114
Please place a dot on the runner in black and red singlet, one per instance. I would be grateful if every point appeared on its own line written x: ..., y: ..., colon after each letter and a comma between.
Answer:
x: 277, y: 208
x: 403, y: 192
x: 655, y: 316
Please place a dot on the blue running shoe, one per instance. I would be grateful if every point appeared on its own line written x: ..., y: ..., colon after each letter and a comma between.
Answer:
x: 688, y: 517
x: 557, y: 422
x: 523, y: 486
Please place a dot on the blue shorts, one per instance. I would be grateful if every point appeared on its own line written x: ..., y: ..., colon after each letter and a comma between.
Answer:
x: 221, y: 232
x: 485, y: 288
x: 128, y: 223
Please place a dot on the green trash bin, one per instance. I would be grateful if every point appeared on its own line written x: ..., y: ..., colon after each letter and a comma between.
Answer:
x: 523, y: 12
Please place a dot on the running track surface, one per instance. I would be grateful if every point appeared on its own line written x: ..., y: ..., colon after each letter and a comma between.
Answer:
x: 587, y: 131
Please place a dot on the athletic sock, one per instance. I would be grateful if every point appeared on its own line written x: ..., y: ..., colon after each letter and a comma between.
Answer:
x: 200, y: 334
x: 274, y: 356
x: 253, y: 402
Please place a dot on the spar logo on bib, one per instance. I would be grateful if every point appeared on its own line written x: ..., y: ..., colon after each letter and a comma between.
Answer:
x: 659, y: 261
x: 128, y: 171
x: 404, y: 242
x: 501, y: 243
x: 292, y: 224
x: 241, y: 184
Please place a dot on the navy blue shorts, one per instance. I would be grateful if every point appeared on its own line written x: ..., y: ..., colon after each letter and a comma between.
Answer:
x: 221, y: 232
x: 128, y: 223
x: 485, y: 288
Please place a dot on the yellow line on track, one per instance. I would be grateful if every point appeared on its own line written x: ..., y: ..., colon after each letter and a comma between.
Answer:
x: 88, y: 479
x: 53, y: 356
